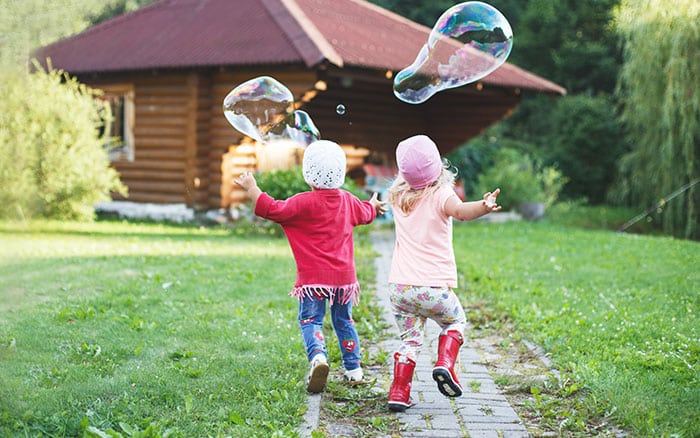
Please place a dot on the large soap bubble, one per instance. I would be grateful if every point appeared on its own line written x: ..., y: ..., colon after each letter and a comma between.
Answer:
x: 469, y: 41
x: 257, y: 105
x: 263, y: 109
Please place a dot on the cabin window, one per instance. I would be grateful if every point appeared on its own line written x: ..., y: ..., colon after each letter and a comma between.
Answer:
x: 120, y: 126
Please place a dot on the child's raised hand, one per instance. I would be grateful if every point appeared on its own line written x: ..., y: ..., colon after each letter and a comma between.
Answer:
x: 378, y: 205
x: 246, y: 180
x: 490, y: 201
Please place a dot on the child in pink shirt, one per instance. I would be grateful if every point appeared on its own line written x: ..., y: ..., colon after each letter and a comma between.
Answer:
x: 423, y: 269
x: 319, y: 227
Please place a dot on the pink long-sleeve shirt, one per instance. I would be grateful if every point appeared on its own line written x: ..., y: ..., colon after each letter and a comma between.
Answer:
x: 319, y: 227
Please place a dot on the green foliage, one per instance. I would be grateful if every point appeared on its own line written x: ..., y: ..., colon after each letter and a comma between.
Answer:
x: 580, y: 134
x: 52, y: 162
x: 521, y: 179
x: 282, y: 184
x: 420, y: 11
x: 585, y: 141
x: 29, y: 24
x: 117, y: 7
x: 660, y: 89
x: 570, y: 43
x: 472, y: 158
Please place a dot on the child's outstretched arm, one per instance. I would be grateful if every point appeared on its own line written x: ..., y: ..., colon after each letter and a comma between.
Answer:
x: 466, y: 211
x: 247, y: 181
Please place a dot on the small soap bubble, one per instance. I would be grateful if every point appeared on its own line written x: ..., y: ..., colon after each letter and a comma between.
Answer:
x: 340, y: 109
x: 468, y: 41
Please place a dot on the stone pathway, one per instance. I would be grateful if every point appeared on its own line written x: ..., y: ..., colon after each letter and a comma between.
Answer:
x: 481, y: 412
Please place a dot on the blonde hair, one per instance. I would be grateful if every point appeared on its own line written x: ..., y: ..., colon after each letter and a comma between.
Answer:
x: 401, y: 195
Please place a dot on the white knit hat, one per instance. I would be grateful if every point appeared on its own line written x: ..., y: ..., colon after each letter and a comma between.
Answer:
x: 324, y: 165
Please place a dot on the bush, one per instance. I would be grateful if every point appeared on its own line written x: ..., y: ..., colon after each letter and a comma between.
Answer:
x: 479, y: 154
x: 283, y: 184
x: 52, y: 162
x: 586, y: 142
x: 521, y: 179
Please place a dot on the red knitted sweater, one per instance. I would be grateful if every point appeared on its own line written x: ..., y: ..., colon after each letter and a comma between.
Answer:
x: 319, y: 227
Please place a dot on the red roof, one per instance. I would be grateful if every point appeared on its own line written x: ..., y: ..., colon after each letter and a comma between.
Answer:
x: 202, y: 33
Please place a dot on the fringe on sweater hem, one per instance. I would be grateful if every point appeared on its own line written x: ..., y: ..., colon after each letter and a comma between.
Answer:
x: 345, y: 293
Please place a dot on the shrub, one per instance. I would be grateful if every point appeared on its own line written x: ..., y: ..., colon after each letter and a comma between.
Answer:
x: 52, y: 160
x: 282, y: 184
x: 521, y: 179
x: 479, y: 154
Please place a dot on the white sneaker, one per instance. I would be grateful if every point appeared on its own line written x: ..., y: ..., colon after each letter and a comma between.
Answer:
x: 316, y: 380
x: 354, y: 377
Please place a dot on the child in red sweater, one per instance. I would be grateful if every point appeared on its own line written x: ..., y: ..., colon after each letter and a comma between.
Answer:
x: 319, y: 227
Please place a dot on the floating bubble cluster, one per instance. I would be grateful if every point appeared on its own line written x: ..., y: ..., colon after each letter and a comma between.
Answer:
x: 468, y: 41
x: 263, y: 109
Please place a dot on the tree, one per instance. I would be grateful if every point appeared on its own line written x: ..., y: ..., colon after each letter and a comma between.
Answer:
x: 427, y: 12
x: 52, y: 160
x: 660, y: 90
x: 569, y: 42
x: 420, y: 11
x: 28, y: 24
x: 585, y: 141
x: 572, y: 44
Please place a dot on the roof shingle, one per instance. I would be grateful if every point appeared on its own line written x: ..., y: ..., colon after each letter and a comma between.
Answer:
x: 201, y: 33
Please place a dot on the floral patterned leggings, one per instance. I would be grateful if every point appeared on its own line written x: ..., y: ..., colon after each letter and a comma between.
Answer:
x: 414, y: 305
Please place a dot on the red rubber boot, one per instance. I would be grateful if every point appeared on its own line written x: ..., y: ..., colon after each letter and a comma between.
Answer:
x: 400, y: 390
x: 443, y: 371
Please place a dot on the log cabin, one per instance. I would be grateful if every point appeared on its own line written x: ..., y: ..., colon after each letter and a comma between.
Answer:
x: 166, y: 68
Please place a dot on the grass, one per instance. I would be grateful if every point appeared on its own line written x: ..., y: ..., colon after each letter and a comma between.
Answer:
x: 154, y: 330
x: 618, y: 313
x: 146, y: 328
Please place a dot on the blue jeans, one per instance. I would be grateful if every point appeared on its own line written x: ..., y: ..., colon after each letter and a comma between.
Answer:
x: 312, y: 310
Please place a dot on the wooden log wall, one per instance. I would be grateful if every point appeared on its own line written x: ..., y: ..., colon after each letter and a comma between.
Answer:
x: 182, y: 137
x: 203, y: 177
x: 163, y: 136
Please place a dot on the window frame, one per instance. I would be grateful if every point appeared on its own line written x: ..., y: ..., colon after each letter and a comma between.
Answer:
x: 120, y: 145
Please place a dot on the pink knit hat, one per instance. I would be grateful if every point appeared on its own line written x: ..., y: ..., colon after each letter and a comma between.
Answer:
x: 419, y: 161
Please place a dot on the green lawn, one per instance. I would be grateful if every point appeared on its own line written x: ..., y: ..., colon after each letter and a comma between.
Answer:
x: 150, y: 330
x: 619, y: 313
